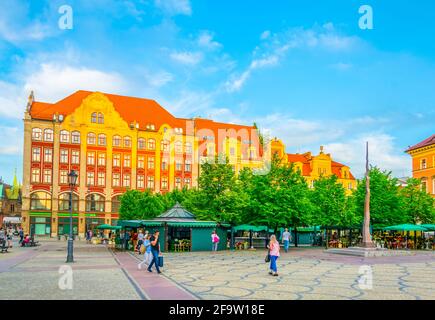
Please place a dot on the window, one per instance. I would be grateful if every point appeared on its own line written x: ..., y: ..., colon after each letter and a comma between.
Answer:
x: 141, y: 162
x: 12, y: 208
x: 94, y: 203
x: 116, y: 141
x: 36, y: 154
x: 63, y: 178
x: 126, y: 181
x: 349, y: 186
x: 188, y: 147
x: 36, y: 134
x: 127, y: 142
x: 102, y: 159
x: 36, y: 175
x: 47, y: 176
x: 151, y: 162
x: 164, y: 183
x: 165, y: 164
x: 116, y: 180
x: 187, y: 182
x: 101, y: 179
x: 40, y: 201
x: 232, y: 151
x: 141, y: 143
x: 178, y: 183
x: 75, y: 157
x: 178, y: 147
x: 140, y: 182
x: 91, y: 159
x: 165, y: 146
x: 116, y: 203
x: 64, y: 202
x: 63, y: 155
x: 150, y: 182
x: 90, y: 179
x: 101, y: 139
x: 116, y: 160
x: 94, y: 117
x: 91, y: 138
x: 424, y: 186
x: 151, y: 144
x: 64, y: 136
x: 75, y: 137
x: 423, y: 164
x: 433, y: 185
x: 100, y: 118
x: 127, y: 160
x: 48, y: 135
x: 252, y: 155
x: 178, y: 165
x: 187, y: 166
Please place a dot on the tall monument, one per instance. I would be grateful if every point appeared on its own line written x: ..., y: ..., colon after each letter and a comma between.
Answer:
x: 366, y: 239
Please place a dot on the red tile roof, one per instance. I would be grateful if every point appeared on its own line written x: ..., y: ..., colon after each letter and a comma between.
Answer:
x: 427, y: 142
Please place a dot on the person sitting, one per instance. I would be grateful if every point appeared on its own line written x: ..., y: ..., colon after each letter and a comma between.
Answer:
x: 26, y: 241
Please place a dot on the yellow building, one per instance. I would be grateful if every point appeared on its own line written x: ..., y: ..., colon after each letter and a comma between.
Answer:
x: 115, y: 143
x: 423, y: 163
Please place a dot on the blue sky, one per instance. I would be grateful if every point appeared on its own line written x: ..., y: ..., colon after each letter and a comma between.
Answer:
x: 303, y: 70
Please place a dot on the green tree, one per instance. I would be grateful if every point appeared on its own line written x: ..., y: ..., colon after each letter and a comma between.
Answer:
x: 418, y: 205
x: 136, y: 205
x: 386, y: 203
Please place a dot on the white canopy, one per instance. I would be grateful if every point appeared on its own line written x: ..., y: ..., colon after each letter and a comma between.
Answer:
x: 12, y: 220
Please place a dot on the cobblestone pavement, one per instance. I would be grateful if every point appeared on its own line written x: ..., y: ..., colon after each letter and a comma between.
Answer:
x: 303, y: 274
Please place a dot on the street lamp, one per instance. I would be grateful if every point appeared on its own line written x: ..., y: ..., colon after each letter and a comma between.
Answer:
x: 72, y: 180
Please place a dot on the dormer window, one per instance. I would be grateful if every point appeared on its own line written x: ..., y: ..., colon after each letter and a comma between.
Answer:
x: 97, y: 118
x: 94, y: 117
x: 423, y: 164
x: 100, y: 118
x: 48, y: 135
x: 36, y: 134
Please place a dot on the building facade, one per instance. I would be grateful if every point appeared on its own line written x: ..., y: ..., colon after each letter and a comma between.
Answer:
x: 10, y: 202
x: 116, y: 143
x: 423, y: 163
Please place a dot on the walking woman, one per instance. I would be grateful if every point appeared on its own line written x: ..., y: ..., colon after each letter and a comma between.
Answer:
x: 274, y: 254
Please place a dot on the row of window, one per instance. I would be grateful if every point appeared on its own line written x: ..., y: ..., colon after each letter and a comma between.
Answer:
x: 94, y: 202
x: 101, y: 179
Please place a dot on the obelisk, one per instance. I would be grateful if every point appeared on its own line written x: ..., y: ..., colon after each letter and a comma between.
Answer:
x: 366, y: 239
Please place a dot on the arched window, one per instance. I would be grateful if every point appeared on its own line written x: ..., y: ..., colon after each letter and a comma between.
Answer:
x: 127, y: 142
x: 75, y: 137
x: 94, y: 203
x: 64, y: 136
x: 141, y: 143
x: 178, y: 147
x: 165, y: 146
x: 40, y: 200
x: 64, y: 202
x: 94, y: 117
x: 36, y: 134
x: 100, y: 118
x: 48, y: 135
x: 116, y: 141
x: 91, y: 138
x: 116, y: 203
x: 101, y: 139
x: 151, y: 144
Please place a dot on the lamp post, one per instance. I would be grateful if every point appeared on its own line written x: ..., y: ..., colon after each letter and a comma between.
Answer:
x: 72, y: 180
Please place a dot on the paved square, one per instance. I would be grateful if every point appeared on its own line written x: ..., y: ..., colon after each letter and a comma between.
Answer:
x: 304, y: 273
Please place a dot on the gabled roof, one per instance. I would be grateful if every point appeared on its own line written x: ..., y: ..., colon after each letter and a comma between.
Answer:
x: 177, y: 212
x: 427, y: 142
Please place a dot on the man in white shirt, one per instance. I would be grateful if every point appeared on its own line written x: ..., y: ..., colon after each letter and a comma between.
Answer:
x: 286, y: 238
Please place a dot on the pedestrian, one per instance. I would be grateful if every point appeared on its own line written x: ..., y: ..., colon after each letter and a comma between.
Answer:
x: 127, y: 239
x: 21, y: 234
x: 10, y: 236
x: 274, y: 254
x: 147, y: 256
x: 155, y: 250
x: 140, y: 238
x: 286, y: 238
x: 214, y: 241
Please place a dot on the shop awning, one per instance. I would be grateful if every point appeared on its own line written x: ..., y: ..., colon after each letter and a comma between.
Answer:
x: 108, y: 227
x: 138, y: 223
x: 13, y: 220
x: 406, y: 227
x: 247, y: 227
x: 197, y: 224
x: 430, y: 227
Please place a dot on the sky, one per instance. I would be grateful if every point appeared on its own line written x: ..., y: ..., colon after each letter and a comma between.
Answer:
x: 304, y: 71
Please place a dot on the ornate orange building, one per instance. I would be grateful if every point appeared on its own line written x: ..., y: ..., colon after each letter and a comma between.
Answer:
x: 116, y: 143
x: 423, y: 163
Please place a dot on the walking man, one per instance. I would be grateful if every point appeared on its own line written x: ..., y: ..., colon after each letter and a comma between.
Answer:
x: 21, y: 234
x: 286, y: 238
x: 155, y: 249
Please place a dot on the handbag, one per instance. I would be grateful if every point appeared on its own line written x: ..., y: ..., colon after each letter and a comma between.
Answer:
x: 161, y: 261
x: 267, y: 259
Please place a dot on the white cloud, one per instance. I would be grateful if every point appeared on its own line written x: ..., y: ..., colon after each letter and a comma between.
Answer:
x: 205, y: 40
x: 187, y: 58
x: 174, y: 7
x: 265, y: 35
x: 159, y: 79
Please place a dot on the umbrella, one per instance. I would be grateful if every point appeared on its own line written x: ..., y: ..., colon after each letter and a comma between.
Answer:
x: 406, y: 227
x: 430, y: 227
